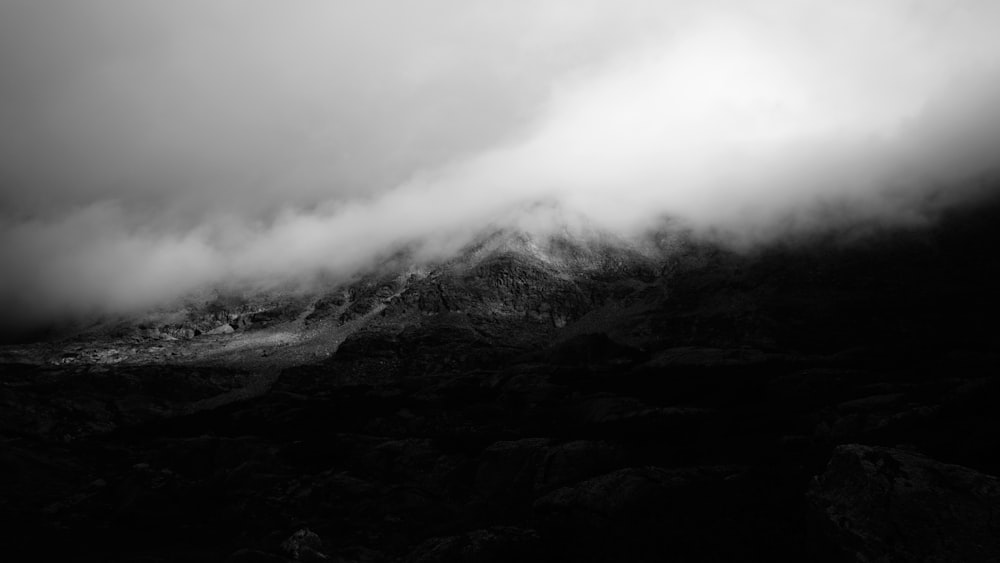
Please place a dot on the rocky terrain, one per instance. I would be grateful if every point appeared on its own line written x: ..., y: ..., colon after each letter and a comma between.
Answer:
x: 831, y: 399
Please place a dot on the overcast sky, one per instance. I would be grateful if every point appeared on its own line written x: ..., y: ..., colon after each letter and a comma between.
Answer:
x: 149, y: 149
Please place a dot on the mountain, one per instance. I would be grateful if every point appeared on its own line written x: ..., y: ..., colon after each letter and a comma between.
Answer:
x: 825, y: 398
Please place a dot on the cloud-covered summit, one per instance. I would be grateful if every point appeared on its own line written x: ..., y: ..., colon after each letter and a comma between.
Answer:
x: 150, y: 149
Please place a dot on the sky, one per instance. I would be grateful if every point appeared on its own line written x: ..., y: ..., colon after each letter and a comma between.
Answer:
x: 150, y: 150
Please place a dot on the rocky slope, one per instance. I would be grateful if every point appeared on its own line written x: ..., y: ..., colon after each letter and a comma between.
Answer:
x: 538, y: 400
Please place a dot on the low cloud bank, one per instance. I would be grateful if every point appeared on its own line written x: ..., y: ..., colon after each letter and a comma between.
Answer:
x: 151, y: 150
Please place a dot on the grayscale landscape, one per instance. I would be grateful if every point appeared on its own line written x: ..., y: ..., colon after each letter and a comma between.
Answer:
x: 469, y: 282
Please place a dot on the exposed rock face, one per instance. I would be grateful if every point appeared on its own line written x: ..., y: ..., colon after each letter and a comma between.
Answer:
x: 884, y: 504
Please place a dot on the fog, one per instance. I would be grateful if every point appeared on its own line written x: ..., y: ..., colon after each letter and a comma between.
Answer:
x: 149, y: 150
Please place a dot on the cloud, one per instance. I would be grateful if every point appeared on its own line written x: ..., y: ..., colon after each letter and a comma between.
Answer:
x: 149, y: 149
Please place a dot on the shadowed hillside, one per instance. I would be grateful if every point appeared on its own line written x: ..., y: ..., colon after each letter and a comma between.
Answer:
x: 830, y: 399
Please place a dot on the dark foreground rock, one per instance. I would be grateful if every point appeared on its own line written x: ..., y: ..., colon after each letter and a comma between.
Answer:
x: 886, y: 504
x: 501, y: 543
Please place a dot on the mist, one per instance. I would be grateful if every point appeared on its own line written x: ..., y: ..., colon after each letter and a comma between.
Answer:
x: 149, y: 150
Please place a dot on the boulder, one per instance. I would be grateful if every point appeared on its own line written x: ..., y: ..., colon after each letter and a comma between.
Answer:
x: 304, y: 545
x: 222, y: 329
x: 887, y: 504
x: 186, y: 333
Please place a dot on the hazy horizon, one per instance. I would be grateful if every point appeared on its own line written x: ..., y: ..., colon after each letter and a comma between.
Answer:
x: 153, y: 149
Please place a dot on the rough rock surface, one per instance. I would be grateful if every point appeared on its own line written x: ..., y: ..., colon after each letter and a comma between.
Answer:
x: 887, y: 504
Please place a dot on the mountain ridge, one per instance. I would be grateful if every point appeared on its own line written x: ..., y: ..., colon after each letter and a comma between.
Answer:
x: 536, y: 400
